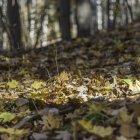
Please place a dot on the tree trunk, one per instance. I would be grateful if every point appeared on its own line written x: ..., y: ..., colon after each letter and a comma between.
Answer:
x: 108, y: 13
x: 1, y: 33
x: 94, y: 17
x: 65, y: 25
x: 14, y: 23
x: 130, y: 10
x: 83, y: 17
x: 116, y: 11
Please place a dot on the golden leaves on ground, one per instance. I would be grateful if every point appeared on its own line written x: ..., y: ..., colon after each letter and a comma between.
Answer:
x: 98, y: 130
x: 52, y: 121
x: 63, y: 77
x: 95, y: 87
x: 13, y: 84
x: 13, y: 131
x: 38, y: 84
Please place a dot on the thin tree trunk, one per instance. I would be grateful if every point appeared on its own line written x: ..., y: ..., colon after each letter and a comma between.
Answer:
x: 65, y: 25
x: 14, y: 22
x: 94, y: 16
x: 130, y: 10
x: 5, y: 26
x: 108, y: 14
x: 116, y: 11
x: 126, y: 18
x: 1, y: 33
x: 83, y: 17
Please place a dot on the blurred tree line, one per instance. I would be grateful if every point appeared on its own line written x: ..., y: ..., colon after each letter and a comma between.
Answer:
x: 27, y: 24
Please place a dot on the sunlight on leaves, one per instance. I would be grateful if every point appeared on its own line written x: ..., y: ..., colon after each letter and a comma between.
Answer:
x: 7, y: 117
x: 13, y: 131
x: 102, y: 131
x: 64, y: 76
x: 13, y: 84
x: 82, y: 93
x: 128, y: 81
x: 86, y: 125
x: 98, y: 130
x: 38, y: 84
x: 133, y: 85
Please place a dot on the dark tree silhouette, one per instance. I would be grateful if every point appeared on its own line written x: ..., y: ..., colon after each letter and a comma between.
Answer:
x: 65, y: 19
x: 14, y: 23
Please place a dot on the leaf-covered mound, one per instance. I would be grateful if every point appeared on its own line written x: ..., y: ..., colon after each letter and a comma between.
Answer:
x: 86, y: 89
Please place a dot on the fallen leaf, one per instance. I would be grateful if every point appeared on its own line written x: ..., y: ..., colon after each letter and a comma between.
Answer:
x: 39, y: 136
x: 102, y: 131
x: 82, y: 93
x: 98, y: 130
x: 133, y: 86
x: 13, y: 84
x: 64, y: 76
x: 12, y: 131
x: 125, y: 117
x: 51, y: 121
x: 63, y: 135
x: 38, y: 84
x: 21, y: 101
x: 7, y: 117
x: 128, y: 130
x: 82, y: 89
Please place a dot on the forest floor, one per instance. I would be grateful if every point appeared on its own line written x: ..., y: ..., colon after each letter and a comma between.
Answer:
x: 88, y: 89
